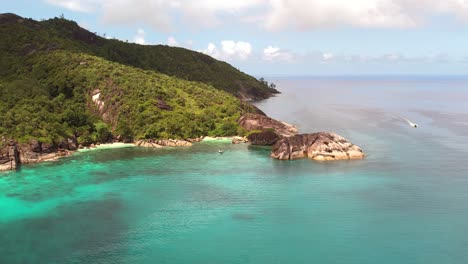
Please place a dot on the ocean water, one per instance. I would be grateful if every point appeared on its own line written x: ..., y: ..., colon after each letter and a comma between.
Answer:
x: 407, y: 202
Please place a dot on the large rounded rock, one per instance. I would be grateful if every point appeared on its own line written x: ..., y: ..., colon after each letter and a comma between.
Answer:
x: 263, y: 138
x: 251, y: 122
x: 317, y: 146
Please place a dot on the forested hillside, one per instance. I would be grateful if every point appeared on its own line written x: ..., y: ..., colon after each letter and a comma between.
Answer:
x: 55, y: 86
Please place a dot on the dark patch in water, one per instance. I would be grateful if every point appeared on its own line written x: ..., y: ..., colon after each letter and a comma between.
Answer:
x: 243, y: 217
x: 42, y: 239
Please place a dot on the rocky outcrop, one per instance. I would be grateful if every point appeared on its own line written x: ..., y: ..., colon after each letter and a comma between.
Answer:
x: 9, y: 157
x: 162, y: 143
x: 35, y: 151
x: 239, y: 140
x: 316, y: 146
x: 251, y: 122
x: 264, y: 138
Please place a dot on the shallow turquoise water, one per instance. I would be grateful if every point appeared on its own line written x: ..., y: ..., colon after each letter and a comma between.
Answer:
x: 405, y: 203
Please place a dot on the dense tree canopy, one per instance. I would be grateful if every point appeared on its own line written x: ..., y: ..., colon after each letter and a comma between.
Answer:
x: 50, y: 70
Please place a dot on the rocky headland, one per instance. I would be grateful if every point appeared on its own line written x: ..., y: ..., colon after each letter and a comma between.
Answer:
x: 14, y: 154
x: 261, y: 122
x: 288, y: 145
x: 321, y: 146
x: 261, y: 130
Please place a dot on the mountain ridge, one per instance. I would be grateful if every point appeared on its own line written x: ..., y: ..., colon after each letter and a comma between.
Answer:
x: 173, y: 61
x: 48, y: 83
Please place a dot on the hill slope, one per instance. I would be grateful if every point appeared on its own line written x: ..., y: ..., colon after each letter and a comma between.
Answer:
x: 173, y: 61
x: 52, y: 88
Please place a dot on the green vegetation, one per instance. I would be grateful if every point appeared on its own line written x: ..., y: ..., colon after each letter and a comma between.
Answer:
x: 59, y: 33
x: 50, y: 70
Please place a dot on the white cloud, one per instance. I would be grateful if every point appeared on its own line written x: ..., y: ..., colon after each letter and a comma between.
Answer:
x: 189, y: 43
x: 271, y: 14
x: 171, y: 41
x: 211, y: 50
x: 84, y: 25
x: 140, y: 37
x: 327, y: 56
x: 163, y: 14
x: 272, y: 53
x: 311, y: 14
x: 239, y: 49
x: 230, y: 50
x: 86, y: 6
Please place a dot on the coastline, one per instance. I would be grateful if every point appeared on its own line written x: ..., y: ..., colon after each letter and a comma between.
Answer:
x: 115, y: 145
x: 17, y: 156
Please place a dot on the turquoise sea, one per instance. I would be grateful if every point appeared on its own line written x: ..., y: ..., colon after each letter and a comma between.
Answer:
x: 407, y: 202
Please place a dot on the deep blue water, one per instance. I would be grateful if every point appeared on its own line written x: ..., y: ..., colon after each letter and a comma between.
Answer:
x: 407, y: 202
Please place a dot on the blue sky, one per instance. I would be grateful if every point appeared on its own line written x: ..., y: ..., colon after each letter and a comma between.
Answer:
x: 285, y: 37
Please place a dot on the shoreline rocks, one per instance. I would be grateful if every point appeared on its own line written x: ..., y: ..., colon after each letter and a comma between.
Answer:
x: 263, y: 138
x: 322, y: 146
x: 239, y: 140
x: 14, y: 154
x: 150, y: 143
x: 9, y: 158
x: 257, y: 122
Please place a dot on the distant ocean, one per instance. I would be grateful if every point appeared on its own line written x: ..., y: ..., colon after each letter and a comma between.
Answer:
x: 407, y: 202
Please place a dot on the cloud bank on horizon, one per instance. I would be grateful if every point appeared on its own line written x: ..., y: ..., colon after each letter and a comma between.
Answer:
x: 279, y: 16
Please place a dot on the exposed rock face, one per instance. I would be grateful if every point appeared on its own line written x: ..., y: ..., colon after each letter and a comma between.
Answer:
x: 35, y: 151
x: 9, y: 158
x: 316, y: 146
x: 162, y: 143
x: 239, y: 140
x: 102, y: 104
x: 265, y: 138
x: 260, y: 122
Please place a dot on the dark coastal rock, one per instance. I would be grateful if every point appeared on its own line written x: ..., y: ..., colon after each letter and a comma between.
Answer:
x: 316, y: 146
x: 48, y: 148
x: 35, y: 151
x: 264, y: 138
x: 72, y: 144
x: 9, y: 158
x: 35, y: 145
x: 69, y: 144
x: 251, y: 122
